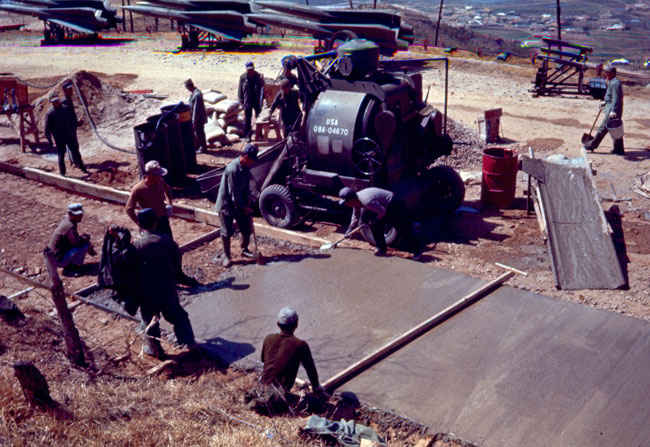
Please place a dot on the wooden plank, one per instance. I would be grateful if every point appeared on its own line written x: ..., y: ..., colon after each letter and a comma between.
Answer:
x: 118, y: 196
x: 195, y: 243
x: 581, y: 247
x: 534, y: 167
x: 357, y: 368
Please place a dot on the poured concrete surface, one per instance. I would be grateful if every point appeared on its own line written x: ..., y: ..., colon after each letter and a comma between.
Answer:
x: 515, y: 369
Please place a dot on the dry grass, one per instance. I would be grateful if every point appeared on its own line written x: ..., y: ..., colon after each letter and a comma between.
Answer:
x: 114, y: 402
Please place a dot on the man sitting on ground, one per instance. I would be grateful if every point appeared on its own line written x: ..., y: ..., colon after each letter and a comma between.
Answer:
x: 67, y: 248
x: 282, y: 354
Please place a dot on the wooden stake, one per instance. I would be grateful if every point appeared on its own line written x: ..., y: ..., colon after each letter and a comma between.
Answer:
x: 357, y: 368
x: 73, y: 344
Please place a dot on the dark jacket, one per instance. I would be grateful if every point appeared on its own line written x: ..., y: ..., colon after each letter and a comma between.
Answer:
x: 289, y: 107
x: 70, y: 117
x: 614, y: 98
x: 118, y: 269
x: 282, y: 354
x: 65, y: 237
x: 251, y: 90
x: 199, y: 116
x: 58, y: 125
x: 159, y: 261
x: 234, y: 190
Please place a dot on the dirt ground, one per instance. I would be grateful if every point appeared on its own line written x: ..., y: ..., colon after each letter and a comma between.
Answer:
x: 469, y: 243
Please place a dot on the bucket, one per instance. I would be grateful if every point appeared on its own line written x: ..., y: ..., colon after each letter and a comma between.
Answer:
x: 499, y: 177
x: 615, y: 128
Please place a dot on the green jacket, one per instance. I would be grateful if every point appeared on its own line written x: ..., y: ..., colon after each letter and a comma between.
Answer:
x: 234, y: 190
x: 614, y: 99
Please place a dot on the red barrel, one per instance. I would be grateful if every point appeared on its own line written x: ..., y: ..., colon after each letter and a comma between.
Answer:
x: 499, y: 177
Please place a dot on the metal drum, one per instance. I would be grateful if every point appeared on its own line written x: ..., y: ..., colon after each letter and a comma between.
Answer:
x: 176, y: 166
x: 151, y: 144
x: 184, y: 115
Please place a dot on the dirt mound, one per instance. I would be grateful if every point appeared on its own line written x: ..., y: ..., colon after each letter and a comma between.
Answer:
x: 105, y: 103
x: 468, y: 147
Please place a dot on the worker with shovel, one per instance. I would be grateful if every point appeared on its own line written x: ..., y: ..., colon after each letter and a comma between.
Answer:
x: 234, y: 203
x: 380, y: 209
x: 613, y: 115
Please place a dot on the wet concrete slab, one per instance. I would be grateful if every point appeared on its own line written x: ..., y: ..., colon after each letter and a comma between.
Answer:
x: 349, y: 303
x: 514, y: 369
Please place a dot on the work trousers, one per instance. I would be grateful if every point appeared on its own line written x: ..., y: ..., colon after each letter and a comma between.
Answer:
x: 74, y: 256
x: 199, y: 137
x: 163, y: 226
x: 244, y: 222
x: 398, y: 217
x: 173, y: 312
x: 71, y: 144
x: 248, y: 116
x: 600, y: 134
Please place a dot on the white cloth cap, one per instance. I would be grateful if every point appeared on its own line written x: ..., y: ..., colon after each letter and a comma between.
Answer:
x: 287, y: 316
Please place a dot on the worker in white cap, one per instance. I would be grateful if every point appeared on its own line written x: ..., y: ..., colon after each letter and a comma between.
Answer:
x: 67, y: 248
x: 282, y: 354
x: 151, y: 192
x: 612, y: 108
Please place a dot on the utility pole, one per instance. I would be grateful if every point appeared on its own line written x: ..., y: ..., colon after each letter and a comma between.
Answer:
x: 438, y: 24
x: 559, y: 22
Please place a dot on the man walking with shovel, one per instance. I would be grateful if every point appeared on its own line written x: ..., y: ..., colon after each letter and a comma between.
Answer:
x: 613, y: 115
x: 234, y: 203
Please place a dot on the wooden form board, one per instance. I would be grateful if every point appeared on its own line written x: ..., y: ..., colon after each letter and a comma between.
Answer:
x: 581, y: 247
x: 118, y: 196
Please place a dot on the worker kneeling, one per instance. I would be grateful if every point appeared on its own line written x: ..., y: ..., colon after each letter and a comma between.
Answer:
x: 282, y: 354
x: 158, y: 263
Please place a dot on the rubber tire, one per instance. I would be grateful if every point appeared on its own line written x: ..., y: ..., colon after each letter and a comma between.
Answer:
x: 278, y: 206
x: 390, y: 235
x: 446, y: 187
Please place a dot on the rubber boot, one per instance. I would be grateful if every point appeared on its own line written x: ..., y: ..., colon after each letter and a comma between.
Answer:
x: 153, y: 348
x: 619, y: 148
x: 226, y: 260
x: 245, y: 240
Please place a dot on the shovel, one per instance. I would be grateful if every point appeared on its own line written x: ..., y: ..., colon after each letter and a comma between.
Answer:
x: 586, y: 137
x: 258, y: 256
x: 332, y: 245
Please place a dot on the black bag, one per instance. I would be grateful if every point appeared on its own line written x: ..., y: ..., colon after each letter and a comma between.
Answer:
x: 118, y: 268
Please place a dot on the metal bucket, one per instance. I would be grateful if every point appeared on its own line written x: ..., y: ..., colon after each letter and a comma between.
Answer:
x: 615, y: 128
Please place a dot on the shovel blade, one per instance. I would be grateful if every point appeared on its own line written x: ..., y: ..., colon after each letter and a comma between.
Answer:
x: 586, y: 138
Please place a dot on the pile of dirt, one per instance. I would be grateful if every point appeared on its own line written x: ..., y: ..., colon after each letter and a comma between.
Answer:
x: 113, y: 111
x: 105, y: 102
x: 468, y: 147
